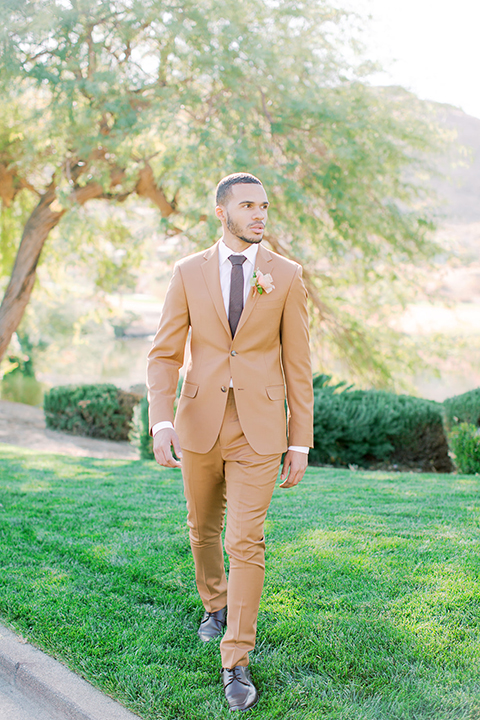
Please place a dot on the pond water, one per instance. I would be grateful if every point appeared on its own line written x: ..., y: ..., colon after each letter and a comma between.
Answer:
x: 122, y: 361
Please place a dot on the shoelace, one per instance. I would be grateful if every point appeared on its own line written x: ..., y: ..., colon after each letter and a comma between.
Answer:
x: 234, y: 677
x: 208, y: 616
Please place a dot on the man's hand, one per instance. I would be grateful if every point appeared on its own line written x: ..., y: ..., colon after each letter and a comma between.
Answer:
x: 162, y: 448
x: 294, y: 465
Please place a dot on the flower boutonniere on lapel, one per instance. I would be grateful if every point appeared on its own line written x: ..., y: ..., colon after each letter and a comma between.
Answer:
x: 262, y: 283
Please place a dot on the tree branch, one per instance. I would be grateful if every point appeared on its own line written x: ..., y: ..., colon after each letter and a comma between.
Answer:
x: 265, y: 109
x: 146, y: 187
x: 326, y: 313
x: 11, y: 184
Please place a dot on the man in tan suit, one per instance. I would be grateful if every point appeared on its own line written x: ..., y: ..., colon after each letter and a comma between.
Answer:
x: 246, y: 308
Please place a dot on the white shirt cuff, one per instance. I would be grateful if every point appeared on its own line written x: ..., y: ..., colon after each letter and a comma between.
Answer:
x: 297, y: 448
x: 161, y: 426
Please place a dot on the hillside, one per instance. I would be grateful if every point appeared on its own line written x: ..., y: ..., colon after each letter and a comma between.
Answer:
x: 461, y: 187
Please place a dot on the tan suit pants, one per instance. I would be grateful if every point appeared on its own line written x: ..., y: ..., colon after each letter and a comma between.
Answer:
x: 230, y: 476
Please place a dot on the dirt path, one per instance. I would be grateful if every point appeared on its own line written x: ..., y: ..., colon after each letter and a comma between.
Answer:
x: 24, y: 426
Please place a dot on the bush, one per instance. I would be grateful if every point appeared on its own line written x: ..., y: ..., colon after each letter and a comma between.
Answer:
x: 367, y: 426
x: 140, y: 434
x: 463, y: 409
x: 100, y: 411
x: 465, y: 443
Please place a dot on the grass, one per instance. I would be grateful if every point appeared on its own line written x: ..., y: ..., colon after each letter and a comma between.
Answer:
x: 370, y: 610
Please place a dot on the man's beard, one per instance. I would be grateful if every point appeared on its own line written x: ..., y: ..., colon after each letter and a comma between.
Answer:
x: 237, y: 231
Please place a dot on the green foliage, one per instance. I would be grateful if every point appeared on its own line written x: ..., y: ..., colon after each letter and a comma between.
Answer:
x: 363, y: 426
x: 101, y: 411
x: 320, y: 381
x: 106, y: 243
x: 463, y: 408
x: 465, y: 444
x: 94, y: 91
x: 146, y: 440
x: 17, y: 372
x: 140, y: 433
x: 21, y: 363
x: 21, y: 388
x: 462, y: 414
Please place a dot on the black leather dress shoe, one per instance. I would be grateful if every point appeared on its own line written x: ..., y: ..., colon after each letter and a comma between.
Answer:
x: 240, y: 692
x: 212, y: 624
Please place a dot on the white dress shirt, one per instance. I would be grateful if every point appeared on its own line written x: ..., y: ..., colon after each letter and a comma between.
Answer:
x: 225, y: 267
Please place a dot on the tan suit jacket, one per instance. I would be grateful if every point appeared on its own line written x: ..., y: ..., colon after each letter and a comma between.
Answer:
x: 270, y: 352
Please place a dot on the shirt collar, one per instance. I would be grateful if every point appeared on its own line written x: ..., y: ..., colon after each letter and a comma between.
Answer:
x: 224, y: 253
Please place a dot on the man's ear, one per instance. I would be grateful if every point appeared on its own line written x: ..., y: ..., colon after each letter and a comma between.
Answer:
x: 220, y: 212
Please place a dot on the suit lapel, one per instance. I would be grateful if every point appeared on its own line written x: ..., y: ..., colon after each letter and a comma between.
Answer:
x: 264, y: 263
x: 211, y: 275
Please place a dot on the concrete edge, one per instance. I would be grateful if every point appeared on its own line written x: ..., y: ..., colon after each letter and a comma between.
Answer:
x: 53, y: 686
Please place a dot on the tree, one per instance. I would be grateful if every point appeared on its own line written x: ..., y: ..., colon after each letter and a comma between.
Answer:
x: 106, y: 99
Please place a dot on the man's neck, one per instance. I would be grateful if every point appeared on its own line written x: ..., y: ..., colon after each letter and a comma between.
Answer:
x: 236, y: 244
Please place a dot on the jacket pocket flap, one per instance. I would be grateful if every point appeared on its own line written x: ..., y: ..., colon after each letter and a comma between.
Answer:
x: 276, y: 392
x: 189, y: 389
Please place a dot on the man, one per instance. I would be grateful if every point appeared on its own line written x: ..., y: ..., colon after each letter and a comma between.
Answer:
x: 247, y: 311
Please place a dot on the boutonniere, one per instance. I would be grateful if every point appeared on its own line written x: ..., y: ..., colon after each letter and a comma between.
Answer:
x: 262, y: 283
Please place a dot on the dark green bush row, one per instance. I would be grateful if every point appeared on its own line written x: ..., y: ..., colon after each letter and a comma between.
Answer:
x: 100, y: 411
x: 351, y: 427
x: 363, y: 427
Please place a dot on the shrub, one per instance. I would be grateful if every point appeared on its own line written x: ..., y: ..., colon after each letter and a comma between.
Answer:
x: 465, y: 443
x: 463, y: 409
x: 366, y: 426
x: 140, y: 434
x: 100, y: 411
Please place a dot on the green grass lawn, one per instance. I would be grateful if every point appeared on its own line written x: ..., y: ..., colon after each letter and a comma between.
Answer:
x: 370, y: 610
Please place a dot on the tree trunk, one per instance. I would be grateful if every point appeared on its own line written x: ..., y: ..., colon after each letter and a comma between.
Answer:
x: 19, y: 289
x: 35, y: 233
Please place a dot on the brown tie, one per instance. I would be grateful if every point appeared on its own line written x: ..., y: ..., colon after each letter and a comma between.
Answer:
x: 236, y: 291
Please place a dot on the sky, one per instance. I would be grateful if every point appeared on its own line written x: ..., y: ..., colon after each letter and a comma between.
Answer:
x: 431, y: 47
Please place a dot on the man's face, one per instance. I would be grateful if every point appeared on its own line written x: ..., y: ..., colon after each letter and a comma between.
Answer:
x: 246, y: 212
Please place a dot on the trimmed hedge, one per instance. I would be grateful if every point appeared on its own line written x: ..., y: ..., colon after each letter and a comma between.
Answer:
x: 463, y: 409
x: 99, y: 411
x: 364, y: 427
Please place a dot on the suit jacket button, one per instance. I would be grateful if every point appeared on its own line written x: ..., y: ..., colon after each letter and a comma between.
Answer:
x: 224, y: 389
x: 233, y: 353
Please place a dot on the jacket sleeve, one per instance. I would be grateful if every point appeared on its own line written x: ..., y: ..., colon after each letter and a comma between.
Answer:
x: 167, y: 353
x: 297, y: 365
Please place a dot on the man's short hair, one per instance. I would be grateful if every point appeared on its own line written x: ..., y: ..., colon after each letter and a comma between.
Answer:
x: 224, y: 186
